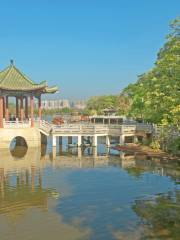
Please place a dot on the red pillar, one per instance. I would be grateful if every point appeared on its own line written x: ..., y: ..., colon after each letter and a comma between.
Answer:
x: 21, y: 109
x: 17, y: 108
x: 26, y: 107
x: 4, y: 107
x: 39, y: 108
x: 32, y: 110
x: 7, y: 109
x: 1, y: 112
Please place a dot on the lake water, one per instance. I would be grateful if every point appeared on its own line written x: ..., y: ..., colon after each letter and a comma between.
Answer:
x: 91, y: 194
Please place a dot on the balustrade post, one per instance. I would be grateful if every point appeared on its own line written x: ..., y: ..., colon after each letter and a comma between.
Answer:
x: 54, y: 141
x: 79, y: 140
x: 121, y: 139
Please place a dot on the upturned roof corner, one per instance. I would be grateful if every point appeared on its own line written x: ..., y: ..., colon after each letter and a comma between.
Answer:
x: 12, y: 79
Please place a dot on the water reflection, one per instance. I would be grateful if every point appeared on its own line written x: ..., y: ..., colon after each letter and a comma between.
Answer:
x: 160, y: 215
x: 90, y: 193
x: 26, y: 203
x: 24, y: 189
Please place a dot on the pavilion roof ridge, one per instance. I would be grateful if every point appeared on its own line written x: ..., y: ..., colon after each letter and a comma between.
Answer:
x: 12, y: 79
x: 3, y: 73
x: 22, y: 74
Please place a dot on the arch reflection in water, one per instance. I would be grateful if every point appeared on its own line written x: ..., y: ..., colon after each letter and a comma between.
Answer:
x: 18, y: 147
x: 23, y: 189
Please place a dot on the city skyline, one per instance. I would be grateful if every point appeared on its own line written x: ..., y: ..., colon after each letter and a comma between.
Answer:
x: 61, y: 103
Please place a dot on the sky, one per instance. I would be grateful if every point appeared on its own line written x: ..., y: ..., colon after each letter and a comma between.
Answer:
x: 85, y: 47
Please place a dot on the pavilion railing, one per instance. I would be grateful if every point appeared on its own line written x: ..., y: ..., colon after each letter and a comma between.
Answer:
x: 16, y: 124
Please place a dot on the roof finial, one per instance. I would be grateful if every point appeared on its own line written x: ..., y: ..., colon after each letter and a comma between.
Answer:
x: 11, y: 62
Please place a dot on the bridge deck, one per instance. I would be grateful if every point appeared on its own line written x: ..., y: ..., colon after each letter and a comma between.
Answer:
x: 81, y: 128
x: 99, y: 129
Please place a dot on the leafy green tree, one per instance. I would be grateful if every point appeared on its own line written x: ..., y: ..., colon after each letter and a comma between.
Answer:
x: 99, y: 103
x: 120, y: 103
x: 156, y: 94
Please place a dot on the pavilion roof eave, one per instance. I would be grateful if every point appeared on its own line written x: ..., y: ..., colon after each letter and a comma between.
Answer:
x: 36, y: 91
x: 40, y: 88
x: 12, y: 80
x: 53, y: 89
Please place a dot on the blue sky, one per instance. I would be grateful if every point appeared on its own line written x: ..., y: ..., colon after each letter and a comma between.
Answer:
x: 86, y: 47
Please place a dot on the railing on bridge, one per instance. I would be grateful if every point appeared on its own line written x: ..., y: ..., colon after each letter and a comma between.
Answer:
x: 80, y: 129
x: 17, y: 124
x: 44, y: 126
x: 40, y: 124
x: 129, y: 128
x: 84, y: 129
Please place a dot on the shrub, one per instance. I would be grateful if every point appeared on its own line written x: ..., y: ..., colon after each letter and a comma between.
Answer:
x: 174, y: 146
x: 155, y: 145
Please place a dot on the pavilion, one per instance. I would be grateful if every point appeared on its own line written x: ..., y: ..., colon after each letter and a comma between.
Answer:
x: 13, y: 83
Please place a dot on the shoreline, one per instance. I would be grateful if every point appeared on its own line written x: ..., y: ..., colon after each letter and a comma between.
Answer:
x: 145, y: 150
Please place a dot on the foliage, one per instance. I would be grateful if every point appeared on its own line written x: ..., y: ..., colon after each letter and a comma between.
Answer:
x: 96, y: 105
x: 155, y: 97
x: 161, y: 216
x: 56, y: 111
x: 174, y: 146
x: 155, y: 145
x: 156, y: 94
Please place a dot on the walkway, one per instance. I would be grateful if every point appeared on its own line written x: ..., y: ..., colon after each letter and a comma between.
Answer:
x: 125, y: 132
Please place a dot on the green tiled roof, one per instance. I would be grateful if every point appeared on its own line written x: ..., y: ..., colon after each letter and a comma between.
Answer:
x: 12, y: 79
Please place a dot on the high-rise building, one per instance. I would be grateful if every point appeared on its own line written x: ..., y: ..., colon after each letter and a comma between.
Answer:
x: 62, y: 103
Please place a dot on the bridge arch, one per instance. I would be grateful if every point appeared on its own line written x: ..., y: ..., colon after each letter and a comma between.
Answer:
x: 18, y: 147
x: 31, y: 136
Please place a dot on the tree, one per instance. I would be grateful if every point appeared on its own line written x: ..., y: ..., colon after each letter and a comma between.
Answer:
x: 156, y: 94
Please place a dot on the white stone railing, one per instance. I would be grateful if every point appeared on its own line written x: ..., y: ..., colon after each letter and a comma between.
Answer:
x: 100, y: 129
x: 45, y: 126
x: 80, y: 129
x: 129, y: 128
x: 16, y: 124
x: 106, y: 117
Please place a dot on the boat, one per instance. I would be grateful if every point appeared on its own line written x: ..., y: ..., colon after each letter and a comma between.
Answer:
x: 58, y: 121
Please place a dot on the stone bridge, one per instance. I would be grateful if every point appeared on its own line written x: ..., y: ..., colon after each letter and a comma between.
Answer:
x: 79, y: 130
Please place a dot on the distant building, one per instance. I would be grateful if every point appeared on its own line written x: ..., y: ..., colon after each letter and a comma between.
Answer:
x: 109, y: 111
x: 61, y: 103
x: 79, y: 105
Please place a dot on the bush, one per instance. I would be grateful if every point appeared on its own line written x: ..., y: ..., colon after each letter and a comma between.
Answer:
x: 155, y: 145
x: 174, y: 146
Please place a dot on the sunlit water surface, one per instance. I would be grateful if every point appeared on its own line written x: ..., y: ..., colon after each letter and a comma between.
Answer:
x: 94, y: 195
